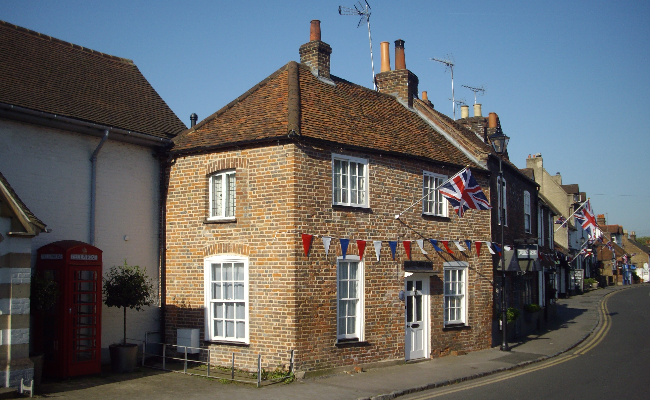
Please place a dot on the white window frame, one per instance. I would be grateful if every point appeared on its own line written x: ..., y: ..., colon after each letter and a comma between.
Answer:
x: 458, y: 290
x: 527, y: 212
x: 225, y: 212
x: 344, y: 183
x: 359, y: 325
x: 210, y: 317
x: 502, y: 207
x: 433, y: 203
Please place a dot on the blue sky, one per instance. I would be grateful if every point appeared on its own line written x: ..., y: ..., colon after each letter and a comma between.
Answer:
x: 568, y: 79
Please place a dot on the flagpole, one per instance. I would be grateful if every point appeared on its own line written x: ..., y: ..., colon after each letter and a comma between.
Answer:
x: 583, y: 246
x: 578, y: 209
x: 430, y: 191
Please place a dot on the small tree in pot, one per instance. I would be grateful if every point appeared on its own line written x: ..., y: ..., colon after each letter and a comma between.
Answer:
x: 126, y: 287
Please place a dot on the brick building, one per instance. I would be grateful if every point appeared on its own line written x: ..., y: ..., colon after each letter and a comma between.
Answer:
x: 300, y: 163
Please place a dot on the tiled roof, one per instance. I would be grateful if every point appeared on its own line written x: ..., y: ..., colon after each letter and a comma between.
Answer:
x: 529, y: 172
x: 343, y: 113
x: 612, y: 228
x: 19, y: 203
x: 571, y: 189
x: 42, y: 73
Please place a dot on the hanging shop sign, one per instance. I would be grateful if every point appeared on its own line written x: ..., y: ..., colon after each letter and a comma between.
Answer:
x: 418, y: 266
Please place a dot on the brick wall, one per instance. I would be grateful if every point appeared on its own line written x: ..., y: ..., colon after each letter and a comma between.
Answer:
x: 284, y: 190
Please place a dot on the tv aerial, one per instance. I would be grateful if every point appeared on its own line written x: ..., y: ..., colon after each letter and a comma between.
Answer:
x: 449, y: 64
x: 362, y: 11
x: 476, y: 90
x: 460, y: 102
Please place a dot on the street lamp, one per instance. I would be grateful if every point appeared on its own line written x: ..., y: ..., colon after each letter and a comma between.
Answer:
x: 500, y: 143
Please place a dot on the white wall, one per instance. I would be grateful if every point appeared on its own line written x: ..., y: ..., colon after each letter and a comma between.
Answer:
x: 50, y: 170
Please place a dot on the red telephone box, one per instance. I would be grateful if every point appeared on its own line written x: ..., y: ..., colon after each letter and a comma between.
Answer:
x: 69, y: 333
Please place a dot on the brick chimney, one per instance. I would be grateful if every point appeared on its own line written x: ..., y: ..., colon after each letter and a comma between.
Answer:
x: 600, y: 220
x: 316, y: 54
x: 401, y: 82
x: 633, y: 236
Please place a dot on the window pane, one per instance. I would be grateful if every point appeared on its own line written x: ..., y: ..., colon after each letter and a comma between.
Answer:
x: 228, y: 291
x: 241, y: 330
x: 227, y: 271
x: 354, y: 268
x: 218, y: 328
x: 418, y: 308
x: 352, y: 308
x: 230, y: 310
x: 342, y: 326
x: 216, y: 291
x: 217, y: 196
x: 230, y: 207
x: 343, y: 270
x: 351, y: 325
x: 353, y: 290
x: 409, y: 308
x: 342, y: 309
x: 230, y: 329
x: 216, y: 272
x: 337, y: 181
x: 343, y: 289
x: 239, y: 291
x: 239, y: 271
x: 344, y: 181
x: 418, y: 285
x: 240, y: 310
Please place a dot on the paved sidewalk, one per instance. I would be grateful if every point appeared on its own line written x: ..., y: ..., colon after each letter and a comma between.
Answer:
x: 577, y: 317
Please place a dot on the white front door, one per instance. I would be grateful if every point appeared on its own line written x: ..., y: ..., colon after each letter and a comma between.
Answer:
x: 417, y: 316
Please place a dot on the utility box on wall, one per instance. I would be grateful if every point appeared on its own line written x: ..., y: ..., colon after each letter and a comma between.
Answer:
x: 68, y: 330
x: 187, y: 338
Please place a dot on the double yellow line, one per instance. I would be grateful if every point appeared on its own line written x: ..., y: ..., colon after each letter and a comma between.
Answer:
x: 606, y: 320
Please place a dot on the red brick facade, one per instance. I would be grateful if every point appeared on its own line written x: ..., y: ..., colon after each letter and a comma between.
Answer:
x: 285, y: 189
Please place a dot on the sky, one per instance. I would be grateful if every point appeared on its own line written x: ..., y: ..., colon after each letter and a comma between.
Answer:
x: 568, y: 79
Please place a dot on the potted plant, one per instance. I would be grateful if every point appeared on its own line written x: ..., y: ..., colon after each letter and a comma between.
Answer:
x: 126, y: 287
x: 44, y: 294
x: 531, y: 312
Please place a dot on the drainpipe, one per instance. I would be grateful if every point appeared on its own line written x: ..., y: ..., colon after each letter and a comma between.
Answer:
x: 93, y: 186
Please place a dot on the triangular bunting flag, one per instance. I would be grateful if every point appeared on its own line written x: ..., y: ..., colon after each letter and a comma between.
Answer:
x: 326, y: 244
x: 489, y: 247
x: 420, y: 243
x: 434, y: 243
x: 361, y: 245
x: 478, y: 248
x: 497, y: 248
x: 393, y: 247
x: 407, y: 248
x: 306, y: 243
x: 377, y: 244
x: 468, y: 243
x: 446, y: 244
x: 344, y: 246
x: 459, y: 246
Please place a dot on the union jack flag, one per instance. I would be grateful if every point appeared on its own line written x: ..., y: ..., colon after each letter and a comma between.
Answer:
x: 610, y: 247
x: 560, y: 220
x: 462, y: 192
x: 587, y: 219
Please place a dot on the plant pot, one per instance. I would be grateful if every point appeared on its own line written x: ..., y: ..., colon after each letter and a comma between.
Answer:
x: 37, y: 359
x: 124, y: 357
x: 530, y: 317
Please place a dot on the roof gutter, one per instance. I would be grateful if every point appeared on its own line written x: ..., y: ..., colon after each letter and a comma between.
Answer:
x: 58, y: 121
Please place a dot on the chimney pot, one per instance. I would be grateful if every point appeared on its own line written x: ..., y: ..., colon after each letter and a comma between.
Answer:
x: 492, y: 120
x: 385, y: 56
x: 425, y: 97
x: 193, y: 119
x: 477, y: 110
x: 400, y: 59
x: 464, y: 111
x: 314, y: 30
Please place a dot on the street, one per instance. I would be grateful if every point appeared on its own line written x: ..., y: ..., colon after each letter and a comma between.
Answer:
x: 612, y: 363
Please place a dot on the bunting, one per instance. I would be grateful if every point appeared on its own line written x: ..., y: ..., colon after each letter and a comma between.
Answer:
x: 393, y: 247
x: 434, y: 243
x: 478, y: 249
x: 420, y: 243
x: 377, y: 244
x: 306, y: 243
x: 459, y: 246
x: 445, y: 243
x: 361, y: 245
x: 468, y: 243
x: 407, y: 248
x: 344, y: 246
x: 497, y: 248
x: 326, y: 244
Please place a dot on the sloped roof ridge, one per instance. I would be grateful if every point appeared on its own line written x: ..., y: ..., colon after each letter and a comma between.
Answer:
x: 21, y: 205
x: 65, y: 44
x: 236, y: 101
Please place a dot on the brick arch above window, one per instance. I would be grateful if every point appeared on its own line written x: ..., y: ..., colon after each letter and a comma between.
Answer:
x: 226, y: 248
x: 227, y: 163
